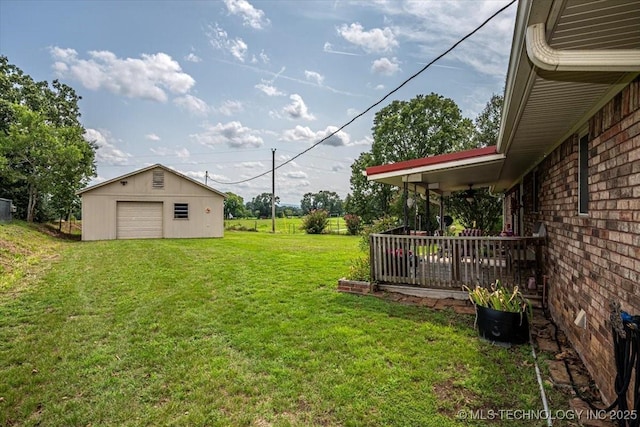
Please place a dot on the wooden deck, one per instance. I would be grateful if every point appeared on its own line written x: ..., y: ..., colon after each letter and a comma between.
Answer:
x: 451, y: 262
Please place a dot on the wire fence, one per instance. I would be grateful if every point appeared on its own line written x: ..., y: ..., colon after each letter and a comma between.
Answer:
x: 293, y: 225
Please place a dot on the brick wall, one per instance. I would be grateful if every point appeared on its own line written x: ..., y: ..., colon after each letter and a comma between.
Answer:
x: 594, y: 258
x: 354, y: 286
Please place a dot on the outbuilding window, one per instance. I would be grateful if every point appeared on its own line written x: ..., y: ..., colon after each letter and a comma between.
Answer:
x: 180, y: 211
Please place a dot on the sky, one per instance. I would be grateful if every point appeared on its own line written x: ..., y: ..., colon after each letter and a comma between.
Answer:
x: 210, y: 88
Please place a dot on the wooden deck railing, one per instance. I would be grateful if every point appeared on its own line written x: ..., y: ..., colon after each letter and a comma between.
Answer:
x: 450, y: 262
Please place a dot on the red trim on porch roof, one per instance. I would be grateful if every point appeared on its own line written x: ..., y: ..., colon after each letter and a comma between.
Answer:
x: 433, y: 160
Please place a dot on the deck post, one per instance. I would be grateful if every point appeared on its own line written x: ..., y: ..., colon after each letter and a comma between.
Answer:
x: 405, y: 207
x: 427, y: 210
x: 372, y: 261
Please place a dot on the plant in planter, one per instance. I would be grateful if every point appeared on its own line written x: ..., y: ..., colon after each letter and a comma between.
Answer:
x: 502, y: 314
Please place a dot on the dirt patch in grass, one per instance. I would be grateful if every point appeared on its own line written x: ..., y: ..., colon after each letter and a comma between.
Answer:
x: 453, y: 398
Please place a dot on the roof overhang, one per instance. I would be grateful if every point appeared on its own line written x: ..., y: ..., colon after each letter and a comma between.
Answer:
x: 549, y: 95
x: 568, y: 59
x: 444, y: 173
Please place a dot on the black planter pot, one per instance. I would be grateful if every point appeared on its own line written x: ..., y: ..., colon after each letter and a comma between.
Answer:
x: 502, y: 326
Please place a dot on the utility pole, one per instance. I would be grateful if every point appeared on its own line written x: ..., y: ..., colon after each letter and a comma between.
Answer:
x: 273, y: 190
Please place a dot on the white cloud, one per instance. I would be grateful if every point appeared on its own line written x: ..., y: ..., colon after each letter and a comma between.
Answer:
x: 107, y: 152
x: 340, y: 139
x: 436, y: 25
x: 192, y: 104
x: 385, y: 66
x: 251, y: 165
x: 296, y: 175
x: 269, y: 89
x: 314, y: 77
x: 152, y: 137
x: 303, y: 133
x: 297, y: 109
x: 337, y: 167
x: 328, y: 48
x: 219, y: 39
x: 229, y: 107
x: 367, y: 140
x: 197, y: 175
x: 275, y: 115
x: 262, y: 57
x: 285, y: 158
x: 375, y: 40
x: 238, y: 49
x: 299, y: 133
x: 148, y: 77
x: 192, y: 57
x: 251, y: 16
x: 181, y: 153
x: 233, y: 134
x: 65, y: 55
x: 302, y: 184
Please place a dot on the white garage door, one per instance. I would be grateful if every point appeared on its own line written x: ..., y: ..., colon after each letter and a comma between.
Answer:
x: 139, y: 220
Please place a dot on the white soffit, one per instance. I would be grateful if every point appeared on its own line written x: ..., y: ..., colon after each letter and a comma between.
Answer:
x: 543, y: 108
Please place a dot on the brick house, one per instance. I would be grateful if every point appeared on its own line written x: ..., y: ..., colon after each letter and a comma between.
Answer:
x: 568, y: 157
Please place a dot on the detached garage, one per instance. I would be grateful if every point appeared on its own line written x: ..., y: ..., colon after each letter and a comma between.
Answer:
x: 151, y: 203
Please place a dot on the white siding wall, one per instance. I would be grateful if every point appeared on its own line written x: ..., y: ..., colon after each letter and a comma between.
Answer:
x: 206, y: 208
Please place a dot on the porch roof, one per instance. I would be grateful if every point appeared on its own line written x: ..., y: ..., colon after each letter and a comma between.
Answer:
x: 443, y: 173
x: 547, y: 98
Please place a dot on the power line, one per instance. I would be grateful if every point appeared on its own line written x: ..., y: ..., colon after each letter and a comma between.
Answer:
x: 380, y: 101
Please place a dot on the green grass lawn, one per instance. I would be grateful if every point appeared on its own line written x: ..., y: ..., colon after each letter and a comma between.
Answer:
x: 247, y: 330
x: 335, y: 225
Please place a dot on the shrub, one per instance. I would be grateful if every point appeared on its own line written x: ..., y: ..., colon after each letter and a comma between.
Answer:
x: 354, y: 224
x: 360, y: 269
x: 382, y: 224
x: 316, y: 221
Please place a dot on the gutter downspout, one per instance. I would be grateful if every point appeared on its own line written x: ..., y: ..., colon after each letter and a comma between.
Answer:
x: 547, y: 58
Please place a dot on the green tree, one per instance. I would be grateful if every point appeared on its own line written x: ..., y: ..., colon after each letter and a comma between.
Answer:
x: 260, y: 205
x: 488, y: 122
x: 50, y: 163
x: 43, y: 155
x: 72, y: 172
x: 484, y: 212
x: 426, y: 125
x: 422, y: 127
x: 367, y: 199
x: 234, y: 206
x: 327, y: 200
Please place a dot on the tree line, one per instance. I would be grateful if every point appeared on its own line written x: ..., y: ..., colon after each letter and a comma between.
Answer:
x: 260, y: 205
x: 44, y: 158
